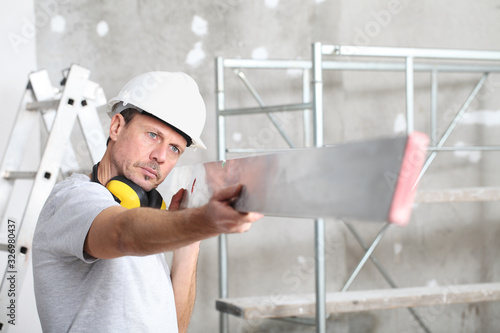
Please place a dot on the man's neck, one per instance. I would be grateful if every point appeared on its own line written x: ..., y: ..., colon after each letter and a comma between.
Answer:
x: 103, y: 170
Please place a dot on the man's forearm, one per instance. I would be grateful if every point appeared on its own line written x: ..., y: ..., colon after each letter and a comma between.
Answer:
x: 161, y: 231
x: 183, y: 274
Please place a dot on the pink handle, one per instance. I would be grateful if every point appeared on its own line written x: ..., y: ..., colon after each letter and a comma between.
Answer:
x: 406, y: 187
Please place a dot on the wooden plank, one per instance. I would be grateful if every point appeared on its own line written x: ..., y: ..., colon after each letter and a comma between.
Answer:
x: 279, y: 306
x: 473, y: 194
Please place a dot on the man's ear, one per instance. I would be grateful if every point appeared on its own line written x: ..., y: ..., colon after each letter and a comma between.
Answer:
x: 117, y: 124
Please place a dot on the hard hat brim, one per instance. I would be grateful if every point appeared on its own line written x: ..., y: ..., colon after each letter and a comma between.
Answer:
x: 115, y: 105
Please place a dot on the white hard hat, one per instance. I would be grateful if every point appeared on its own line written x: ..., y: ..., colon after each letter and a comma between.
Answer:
x: 172, y: 97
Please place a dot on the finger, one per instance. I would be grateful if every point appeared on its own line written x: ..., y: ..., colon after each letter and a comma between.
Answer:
x: 176, y: 200
x: 245, y: 222
x: 243, y: 228
x: 252, y: 217
x: 227, y: 193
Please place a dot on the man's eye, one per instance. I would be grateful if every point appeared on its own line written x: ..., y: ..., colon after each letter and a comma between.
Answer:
x: 175, y: 149
x: 153, y: 135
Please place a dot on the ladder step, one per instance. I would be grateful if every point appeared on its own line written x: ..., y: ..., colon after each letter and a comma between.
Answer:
x: 43, y: 105
x: 281, y: 306
x: 20, y: 174
x: 5, y: 248
x: 471, y: 194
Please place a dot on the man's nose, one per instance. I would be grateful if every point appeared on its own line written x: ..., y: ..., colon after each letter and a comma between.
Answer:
x: 159, y: 153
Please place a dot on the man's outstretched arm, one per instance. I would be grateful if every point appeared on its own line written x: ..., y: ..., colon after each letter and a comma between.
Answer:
x: 118, y: 231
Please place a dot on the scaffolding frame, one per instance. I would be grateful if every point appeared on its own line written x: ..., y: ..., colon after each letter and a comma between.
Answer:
x: 312, y: 106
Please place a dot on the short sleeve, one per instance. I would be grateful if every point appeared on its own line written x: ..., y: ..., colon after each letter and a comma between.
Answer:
x: 68, y: 215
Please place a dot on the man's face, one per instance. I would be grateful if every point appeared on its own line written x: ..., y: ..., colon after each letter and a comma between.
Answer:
x: 144, y: 150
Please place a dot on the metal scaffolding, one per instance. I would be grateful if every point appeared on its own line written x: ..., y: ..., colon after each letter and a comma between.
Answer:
x: 407, y: 60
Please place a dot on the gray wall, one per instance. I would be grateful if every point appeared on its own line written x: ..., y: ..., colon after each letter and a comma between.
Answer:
x: 443, y: 244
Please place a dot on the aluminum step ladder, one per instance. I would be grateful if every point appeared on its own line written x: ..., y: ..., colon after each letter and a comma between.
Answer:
x: 23, y: 193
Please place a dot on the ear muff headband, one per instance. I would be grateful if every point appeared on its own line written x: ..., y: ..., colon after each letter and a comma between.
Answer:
x: 155, y: 200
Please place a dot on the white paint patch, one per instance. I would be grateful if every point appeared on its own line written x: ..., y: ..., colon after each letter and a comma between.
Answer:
x: 237, y: 136
x: 58, y: 24
x: 398, y: 248
x: 199, y: 26
x: 102, y: 28
x: 301, y: 260
x: 432, y: 283
x: 272, y: 3
x: 260, y: 53
x: 483, y: 117
x: 196, y: 55
x: 319, y: 1
x: 400, y: 124
x: 472, y: 156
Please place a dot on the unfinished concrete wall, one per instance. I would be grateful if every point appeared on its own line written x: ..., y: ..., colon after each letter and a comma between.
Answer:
x: 444, y: 244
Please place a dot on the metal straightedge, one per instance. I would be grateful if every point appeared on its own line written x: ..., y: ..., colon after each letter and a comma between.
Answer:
x: 360, y: 180
x: 60, y: 109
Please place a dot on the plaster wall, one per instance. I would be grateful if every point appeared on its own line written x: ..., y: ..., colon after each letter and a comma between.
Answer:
x: 443, y: 244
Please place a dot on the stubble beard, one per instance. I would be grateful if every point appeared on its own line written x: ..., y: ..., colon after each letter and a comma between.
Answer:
x: 152, y: 165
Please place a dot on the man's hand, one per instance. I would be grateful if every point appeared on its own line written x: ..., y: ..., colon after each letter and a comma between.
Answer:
x: 223, y: 217
x: 175, y: 203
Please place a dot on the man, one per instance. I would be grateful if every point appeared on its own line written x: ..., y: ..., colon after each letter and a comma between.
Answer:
x: 98, y: 266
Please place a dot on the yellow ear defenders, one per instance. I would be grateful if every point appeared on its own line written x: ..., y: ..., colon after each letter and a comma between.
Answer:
x: 130, y: 195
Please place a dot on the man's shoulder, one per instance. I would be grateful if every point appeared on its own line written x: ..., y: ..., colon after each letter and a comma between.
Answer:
x: 76, y: 180
x: 78, y: 186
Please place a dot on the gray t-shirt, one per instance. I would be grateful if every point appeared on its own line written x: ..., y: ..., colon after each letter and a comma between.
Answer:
x: 78, y: 293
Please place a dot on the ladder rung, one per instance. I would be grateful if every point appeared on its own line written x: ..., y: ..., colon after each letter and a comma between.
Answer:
x: 43, y: 105
x: 6, y: 248
x: 19, y: 174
